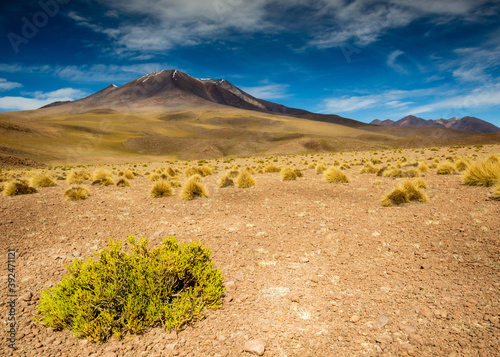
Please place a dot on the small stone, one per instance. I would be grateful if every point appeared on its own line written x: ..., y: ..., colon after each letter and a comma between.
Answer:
x: 383, y: 339
x: 108, y: 354
x: 294, y: 298
x: 406, y: 329
x: 56, y: 343
x: 381, y: 321
x: 26, y: 297
x: 426, y: 312
x: 48, y: 341
x: 230, y: 287
x: 303, y: 260
x: 415, y: 339
x: 170, y: 346
x: 255, y: 347
x: 171, y: 336
x: 355, y: 318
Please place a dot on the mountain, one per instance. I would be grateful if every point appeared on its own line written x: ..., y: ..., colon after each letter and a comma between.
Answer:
x: 175, y: 89
x: 466, y: 123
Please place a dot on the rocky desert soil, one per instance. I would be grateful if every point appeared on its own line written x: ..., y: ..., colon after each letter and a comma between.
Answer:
x: 311, y: 268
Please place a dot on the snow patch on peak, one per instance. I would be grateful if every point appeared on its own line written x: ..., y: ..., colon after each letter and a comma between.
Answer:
x: 150, y: 75
x: 213, y: 81
x: 174, y: 74
x: 114, y: 86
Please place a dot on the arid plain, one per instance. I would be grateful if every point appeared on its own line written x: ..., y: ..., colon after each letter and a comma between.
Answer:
x: 311, y: 268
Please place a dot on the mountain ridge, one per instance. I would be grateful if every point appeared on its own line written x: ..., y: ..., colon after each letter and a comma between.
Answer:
x: 466, y: 123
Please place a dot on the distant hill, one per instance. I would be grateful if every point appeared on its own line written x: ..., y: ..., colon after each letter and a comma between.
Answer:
x: 465, y: 123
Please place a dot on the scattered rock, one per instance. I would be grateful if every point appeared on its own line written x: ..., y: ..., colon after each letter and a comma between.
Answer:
x: 426, y: 312
x: 255, y: 347
x: 383, y: 339
x: 304, y: 260
x: 415, y: 339
x: 171, y: 336
x: 381, y: 321
x: 230, y: 287
x: 26, y: 297
x: 355, y: 318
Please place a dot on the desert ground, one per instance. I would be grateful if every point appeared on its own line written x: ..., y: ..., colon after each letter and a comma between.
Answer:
x: 311, y: 268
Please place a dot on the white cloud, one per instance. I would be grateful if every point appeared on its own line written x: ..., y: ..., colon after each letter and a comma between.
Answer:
x: 6, y: 85
x: 39, y: 99
x: 268, y: 91
x: 481, y: 97
x: 390, y: 99
x: 391, y: 61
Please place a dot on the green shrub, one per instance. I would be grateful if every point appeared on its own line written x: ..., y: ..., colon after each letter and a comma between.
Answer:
x: 133, y: 290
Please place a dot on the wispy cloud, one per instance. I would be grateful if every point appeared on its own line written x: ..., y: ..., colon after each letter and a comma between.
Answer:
x: 39, y: 99
x: 97, y: 73
x: 6, y: 85
x: 391, y: 99
x: 268, y: 91
x: 391, y: 61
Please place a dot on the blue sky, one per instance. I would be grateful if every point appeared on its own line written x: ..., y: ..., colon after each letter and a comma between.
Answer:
x: 360, y: 59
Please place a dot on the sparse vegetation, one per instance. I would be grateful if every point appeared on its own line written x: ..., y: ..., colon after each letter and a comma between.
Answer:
x: 445, y: 168
x: 226, y: 180
x: 369, y: 168
x: 102, y: 177
x: 76, y: 193
x: 287, y: 174
x: 245, y: 179
x: 42, y: 180
x: 131, y: 291
x: 193, y: 188
x: 161, y: 188
x: 334, y: 175
x: 123, y: 182
x: 404, y: 193
x: 271, y: 168
x: 77, y: 177
x: 483, y: 173
x: 496, y: 191
x: 14, y: 188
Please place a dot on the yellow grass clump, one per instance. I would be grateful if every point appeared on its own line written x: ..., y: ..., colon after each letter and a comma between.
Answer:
x: 496, y: 192
x: 245, y: 179
x: 226, y: 180
x: 76, y: 193
x: 193, y: 188
x: 102, y: 177
x: 287, y: 174
x: 445, y: 168
x: 312, y: 165
x: 404, y: 193
x: 128, y: 174
x: 369, y: 168
x: 42, y: 180
x: 123, y: 182
x: 77, y: 176
x: 298, y: 173
x: 14, y: 188
x: 423, y: 167
x: 483, y: 173
x: 334, y: 175
x: 272, y: 168
x: 161, y: 188
x: 320, y: 168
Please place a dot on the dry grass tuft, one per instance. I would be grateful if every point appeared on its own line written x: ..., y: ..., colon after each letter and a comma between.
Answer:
x: 102, y: 177
x: 15, y: 188
x: 193, y: 188
x: 445, y: 168
x: 496, y: 192
x: 245, y: 179
x: 272, y: 168
x: 76, y: 193
x: 77, y: 176
x: 369, y: 168
x: 123, y: 182
x: 161, y: 188
x: 226, y: 180
x: 320, y: 168
x: 404, y: 193
x: 483, y: 173
x: 423, y: 167
x: 287, y: 174
x: 334, y: 175
x: 42, y: 180
x: 128, y: 174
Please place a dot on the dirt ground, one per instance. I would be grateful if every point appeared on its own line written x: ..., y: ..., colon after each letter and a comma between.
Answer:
x: 316, y: 269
